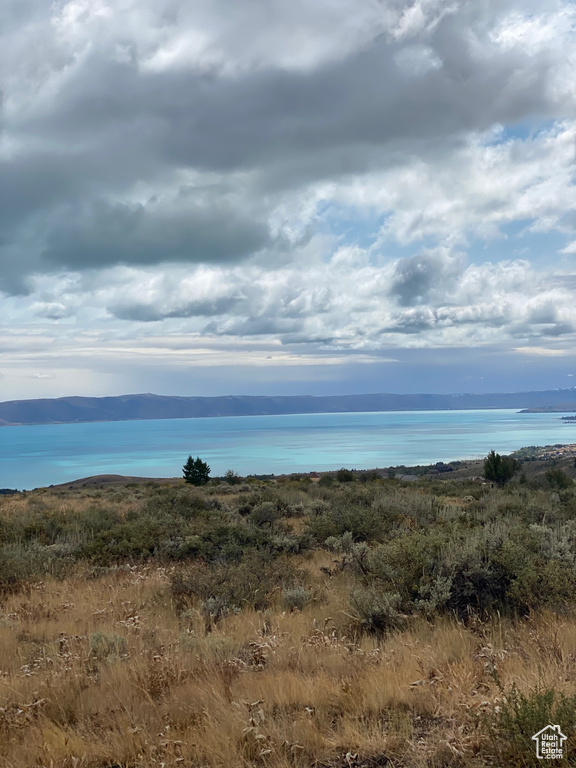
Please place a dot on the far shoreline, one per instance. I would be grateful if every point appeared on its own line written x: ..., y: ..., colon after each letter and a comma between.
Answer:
x: 148, y: 406
x: 463, y: 470
x: 258, y: 415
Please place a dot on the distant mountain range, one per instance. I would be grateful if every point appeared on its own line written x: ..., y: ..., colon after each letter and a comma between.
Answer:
x: 64, y: 410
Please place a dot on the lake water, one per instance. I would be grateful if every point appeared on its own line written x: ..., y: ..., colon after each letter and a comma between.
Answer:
x: 34, y: 456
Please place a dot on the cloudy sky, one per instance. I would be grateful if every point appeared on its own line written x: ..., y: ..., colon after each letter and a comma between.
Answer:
x: 279, y: 196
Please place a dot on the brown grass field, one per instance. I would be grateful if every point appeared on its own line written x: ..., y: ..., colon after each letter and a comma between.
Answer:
x: 101, y: 668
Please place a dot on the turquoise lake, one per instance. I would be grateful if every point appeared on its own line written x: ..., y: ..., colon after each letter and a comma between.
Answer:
x: 35, y: 456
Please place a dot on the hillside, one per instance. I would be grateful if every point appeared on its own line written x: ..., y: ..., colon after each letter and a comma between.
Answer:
x: 149, y: 406
x: 291, y: 623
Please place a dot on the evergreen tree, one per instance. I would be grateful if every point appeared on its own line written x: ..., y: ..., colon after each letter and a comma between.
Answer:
x: 499, y: 469
x: 196, y: 471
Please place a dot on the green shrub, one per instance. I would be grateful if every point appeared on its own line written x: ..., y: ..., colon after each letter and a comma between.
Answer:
x: 558, y: 479
x: 296, y: 598
x: 479, y: 584
x: 15, y: 567
x: 20, y: 563
x: 232, y: 478
x: 377, y: 611
x: 214, y: 609
x: 136, y: 539
x: 187, y: 503
x: 521, y: 716
x: 230, y: 541
x: 290, y: 543
x: 248, y: 583
x: 435, y: 595
x: 108, y: 648
x: 265, y: 513
x: 364, y: 523
x: 544, y: 584
x: 369, y: 477
x: 342, y: 543
x: 344, y: 475
x: 401, y: 565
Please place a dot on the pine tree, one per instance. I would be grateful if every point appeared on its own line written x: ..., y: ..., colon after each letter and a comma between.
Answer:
x: 499, y: 469
x: 196, y: 471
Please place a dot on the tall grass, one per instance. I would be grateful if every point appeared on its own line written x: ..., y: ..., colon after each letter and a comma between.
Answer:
x: 247, y: 628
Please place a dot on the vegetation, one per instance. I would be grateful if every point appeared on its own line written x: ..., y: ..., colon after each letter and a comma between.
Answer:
x: 345, y: 475
x: 196, y: 471
x: 290, y: 622
x: 232, y: 478
x: 499, y: 469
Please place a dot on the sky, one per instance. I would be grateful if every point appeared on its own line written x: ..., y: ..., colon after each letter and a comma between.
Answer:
x: 204, y: 197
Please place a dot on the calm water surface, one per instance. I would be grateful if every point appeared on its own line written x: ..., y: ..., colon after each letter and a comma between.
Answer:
x: 33, y: 456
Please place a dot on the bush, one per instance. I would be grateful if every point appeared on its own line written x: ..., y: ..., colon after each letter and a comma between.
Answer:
x: 479, y: 584
x: 136, y: 539
x: 232, y: 586
x: 363, y: 523
x: 296, y: 598
x: 377, y: 611
x: 107, y: 647
x: 15, y: 567
x: 494, y: 568
x: 401, y: 565
x: 22, y: 563
x: 232, y: 478
x: 187, y: 503
x: 345, y: 475
x: 370, y: 476
x: 558, y: 479
x: 544, y: 584
x: 214, y: 609
x: 264, y: 514
x: 521, y: 716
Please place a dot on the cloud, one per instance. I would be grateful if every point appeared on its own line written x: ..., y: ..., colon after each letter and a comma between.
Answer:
x: 52, y: 310
x: 541, y: 352
x: 416, y: 277
x: 124, y: 99
x: 106, y: 234
x: 321, y: 306
x: 324, y: 177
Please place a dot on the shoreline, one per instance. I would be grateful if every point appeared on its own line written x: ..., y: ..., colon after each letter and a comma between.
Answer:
x: 3, y: 423
x: 462, y: 470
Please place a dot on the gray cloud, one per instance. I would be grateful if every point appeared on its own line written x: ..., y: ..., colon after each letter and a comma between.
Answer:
x: 104, y: 235
x: 98, y: 113
x: 151, y: 313
x: 324, y: 179
x: 415, y: 277
x: 209, y: 120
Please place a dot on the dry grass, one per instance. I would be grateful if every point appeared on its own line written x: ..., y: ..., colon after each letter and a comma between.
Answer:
x: 102, y: 672
x: 102, y: 669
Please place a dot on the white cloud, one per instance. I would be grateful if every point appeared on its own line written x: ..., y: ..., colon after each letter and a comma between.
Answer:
x: 319, y: 178
x: 541, y: 352
x: 569, y: 249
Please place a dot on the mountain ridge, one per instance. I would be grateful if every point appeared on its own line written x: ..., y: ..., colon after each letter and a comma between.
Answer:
x: 148, y: 406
